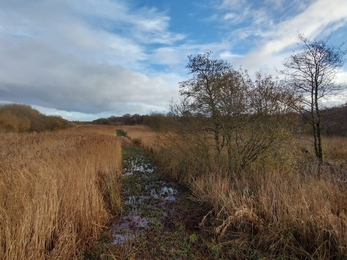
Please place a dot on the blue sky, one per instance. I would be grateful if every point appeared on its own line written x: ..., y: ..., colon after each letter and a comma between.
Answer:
x: 86, y: 59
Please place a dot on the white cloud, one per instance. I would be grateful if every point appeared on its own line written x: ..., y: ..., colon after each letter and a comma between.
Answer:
x: 317, y: 18
x: 229, y: 16
x: 229, y: 56
x: 232, y: 4
x: 341, y: 77
x: 276, y: 43
x: 102, y: 56
x: 168, y: 56
x: 74, y: 84
x: 82, y: 56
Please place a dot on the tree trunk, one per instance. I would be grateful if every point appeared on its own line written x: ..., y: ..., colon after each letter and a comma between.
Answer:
x: 318, y: 123
x: 319, y: 152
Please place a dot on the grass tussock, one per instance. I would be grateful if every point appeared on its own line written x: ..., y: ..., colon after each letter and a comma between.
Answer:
x: 57, y: 190
x: 295, y: 216
x: 278, y: 205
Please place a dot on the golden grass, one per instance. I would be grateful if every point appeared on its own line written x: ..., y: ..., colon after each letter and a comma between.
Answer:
x: 286, y: 215
x: 56, y: 190
x: 335, y: 149
x: 142, y: 134
x: 279, y: 205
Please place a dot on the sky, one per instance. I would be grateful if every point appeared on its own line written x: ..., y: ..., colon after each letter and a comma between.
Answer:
x: 89, y: 59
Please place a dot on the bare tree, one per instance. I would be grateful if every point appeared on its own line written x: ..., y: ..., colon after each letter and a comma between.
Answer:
x: 233, y: 118
x: 312, y: 71
x: 212, y: 84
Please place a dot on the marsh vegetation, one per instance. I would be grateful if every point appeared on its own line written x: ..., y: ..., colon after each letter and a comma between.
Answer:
x: 247, y: 151
x: 277, y: 207
x: 58, y: 189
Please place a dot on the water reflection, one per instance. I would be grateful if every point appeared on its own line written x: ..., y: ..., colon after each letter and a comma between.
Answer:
x: 157, y: 195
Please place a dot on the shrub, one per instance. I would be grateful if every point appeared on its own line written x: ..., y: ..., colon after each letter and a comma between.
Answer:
x: 23, y: 118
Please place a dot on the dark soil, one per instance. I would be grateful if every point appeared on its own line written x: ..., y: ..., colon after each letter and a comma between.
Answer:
x: 160, y: 219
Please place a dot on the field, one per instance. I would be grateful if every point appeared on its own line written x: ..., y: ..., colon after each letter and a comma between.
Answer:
x: 57, y: 190
x: 279, y: 205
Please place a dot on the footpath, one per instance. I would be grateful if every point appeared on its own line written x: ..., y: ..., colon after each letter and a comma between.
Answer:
x: 159, y: 219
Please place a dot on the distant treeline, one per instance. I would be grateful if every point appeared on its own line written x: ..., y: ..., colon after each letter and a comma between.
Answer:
x: 334, y: 121
x: 126, y: 119
x: 23, y: 118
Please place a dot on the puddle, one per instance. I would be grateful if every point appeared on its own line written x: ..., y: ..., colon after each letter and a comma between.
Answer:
x: 137, y: 165
x: 156, y: 196
x: 166, y: 193
x: 128, y: 228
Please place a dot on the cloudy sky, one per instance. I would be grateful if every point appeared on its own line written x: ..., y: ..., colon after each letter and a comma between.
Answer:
x: 86, y: 59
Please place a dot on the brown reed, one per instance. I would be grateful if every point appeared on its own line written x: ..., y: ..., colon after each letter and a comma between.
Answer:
x: 279, y: 205
x: 57, y: 190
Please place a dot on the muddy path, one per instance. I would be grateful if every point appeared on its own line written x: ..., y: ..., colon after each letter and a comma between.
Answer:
x: 160, y: 218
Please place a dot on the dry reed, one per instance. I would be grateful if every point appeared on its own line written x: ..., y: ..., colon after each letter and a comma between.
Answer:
x: 143, y: 135
x: 279, y: 205
x: 55, y: 189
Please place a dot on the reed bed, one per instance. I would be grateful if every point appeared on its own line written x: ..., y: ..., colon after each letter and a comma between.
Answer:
x: 278, y: 205
x: 143, y: 135
x: 300, y: 217
x: 57, y: 190
x: 336, y: 149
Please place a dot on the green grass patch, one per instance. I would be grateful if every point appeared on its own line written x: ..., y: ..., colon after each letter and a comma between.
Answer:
x: 131, y: 152
x: 121, y: 132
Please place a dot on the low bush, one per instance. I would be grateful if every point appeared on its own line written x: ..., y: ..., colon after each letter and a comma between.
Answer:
x: 22, y: 118
x: 279, y: 205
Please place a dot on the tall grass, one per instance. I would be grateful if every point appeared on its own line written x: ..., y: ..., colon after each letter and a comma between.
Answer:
x: 56, y: 191
x: 291, y: 215
x: 336, y: 149
x: 278, y: 205
x: 143, y: 135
